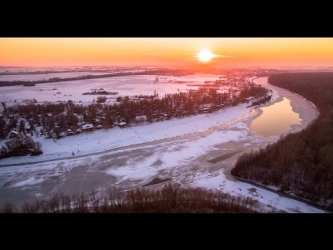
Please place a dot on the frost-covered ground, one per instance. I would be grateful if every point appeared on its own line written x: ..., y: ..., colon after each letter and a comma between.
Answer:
x: 180, y: 149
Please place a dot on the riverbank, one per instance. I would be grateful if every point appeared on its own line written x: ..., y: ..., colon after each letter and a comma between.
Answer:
x: 181, y: 150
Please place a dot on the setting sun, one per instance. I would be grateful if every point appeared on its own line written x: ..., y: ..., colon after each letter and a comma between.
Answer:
x: 205, y: 55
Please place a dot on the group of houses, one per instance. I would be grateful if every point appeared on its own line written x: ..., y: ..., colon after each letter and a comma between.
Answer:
x: 59, y: 120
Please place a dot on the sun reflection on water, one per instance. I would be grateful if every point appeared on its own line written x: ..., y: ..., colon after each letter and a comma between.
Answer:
x: 275, y: 119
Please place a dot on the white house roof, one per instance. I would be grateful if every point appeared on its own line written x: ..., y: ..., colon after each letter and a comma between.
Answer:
x: 87, y: 126
x: 141, y: 117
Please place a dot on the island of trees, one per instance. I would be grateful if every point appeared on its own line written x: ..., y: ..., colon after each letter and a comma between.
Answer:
x: 100, y: 91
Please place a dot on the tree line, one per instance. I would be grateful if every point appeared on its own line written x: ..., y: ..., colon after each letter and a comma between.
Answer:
x: 85, y: 77
x: 171, y: 198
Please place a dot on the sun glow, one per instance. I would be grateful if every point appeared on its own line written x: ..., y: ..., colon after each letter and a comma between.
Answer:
x: 205, y: 55
x: 165, y: 51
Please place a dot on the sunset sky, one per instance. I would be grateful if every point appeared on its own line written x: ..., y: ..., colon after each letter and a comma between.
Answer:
x: 50, y: 52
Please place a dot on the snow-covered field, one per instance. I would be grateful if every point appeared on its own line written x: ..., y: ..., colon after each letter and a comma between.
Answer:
x: 125, y: 86
x: 127, y: 158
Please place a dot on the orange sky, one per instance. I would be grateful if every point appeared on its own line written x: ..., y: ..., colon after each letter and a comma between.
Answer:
x: 47, y: 52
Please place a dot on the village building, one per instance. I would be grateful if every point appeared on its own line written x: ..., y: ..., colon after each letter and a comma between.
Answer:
x: 69, y: 132
x: 87, y: 127
x: 140, y: 118
x: 122, y: 124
